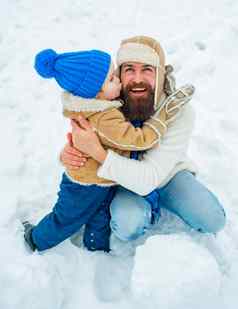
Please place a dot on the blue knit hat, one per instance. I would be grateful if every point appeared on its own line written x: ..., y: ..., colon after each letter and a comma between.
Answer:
x: 81, y: 73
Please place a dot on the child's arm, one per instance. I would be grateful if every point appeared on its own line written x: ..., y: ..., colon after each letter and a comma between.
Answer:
x: 111, y: 125
x: 116, y: 132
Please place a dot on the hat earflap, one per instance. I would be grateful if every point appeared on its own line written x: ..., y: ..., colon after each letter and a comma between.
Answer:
x: 169, y: 81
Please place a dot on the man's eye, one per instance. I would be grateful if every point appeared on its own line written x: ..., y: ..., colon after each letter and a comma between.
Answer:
x: 128, y: 69
x: 148, y: 69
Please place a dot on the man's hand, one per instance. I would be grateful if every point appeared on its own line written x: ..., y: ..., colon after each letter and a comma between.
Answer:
x: 71, y: 157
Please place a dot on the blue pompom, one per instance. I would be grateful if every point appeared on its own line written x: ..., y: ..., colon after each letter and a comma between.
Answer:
x: 45, y: 63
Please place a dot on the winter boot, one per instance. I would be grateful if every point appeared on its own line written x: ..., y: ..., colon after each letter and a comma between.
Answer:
x: 28, y: 227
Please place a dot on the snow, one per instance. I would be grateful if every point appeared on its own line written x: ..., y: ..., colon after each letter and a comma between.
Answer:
x: 181, y: 276
x: 177, y: 268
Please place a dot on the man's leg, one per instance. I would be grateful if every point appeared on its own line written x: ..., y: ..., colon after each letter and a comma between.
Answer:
x: 185, y: 196
x: 130, y: 215
x: 130, y: 218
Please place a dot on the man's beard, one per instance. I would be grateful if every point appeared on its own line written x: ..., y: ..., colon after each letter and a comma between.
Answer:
x: 140, y: 108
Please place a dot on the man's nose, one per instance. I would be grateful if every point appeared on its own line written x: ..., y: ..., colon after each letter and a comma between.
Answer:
x: 137, y: 78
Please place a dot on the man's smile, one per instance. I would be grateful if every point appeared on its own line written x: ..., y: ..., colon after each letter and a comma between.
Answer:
x: 138, y: 91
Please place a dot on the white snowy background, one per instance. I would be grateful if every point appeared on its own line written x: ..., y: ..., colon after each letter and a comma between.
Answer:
x: 175, y: 269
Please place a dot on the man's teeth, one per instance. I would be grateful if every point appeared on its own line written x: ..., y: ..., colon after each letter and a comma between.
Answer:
x: 138, y: 89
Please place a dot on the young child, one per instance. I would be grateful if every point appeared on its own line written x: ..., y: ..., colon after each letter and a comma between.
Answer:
x: 90, y: 89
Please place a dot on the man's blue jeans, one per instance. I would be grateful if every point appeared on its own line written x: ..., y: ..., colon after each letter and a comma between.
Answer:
x: 184, y: 195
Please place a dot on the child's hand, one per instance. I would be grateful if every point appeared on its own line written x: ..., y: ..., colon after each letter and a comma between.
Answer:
x: 71, y: 157
x: 85, y: 139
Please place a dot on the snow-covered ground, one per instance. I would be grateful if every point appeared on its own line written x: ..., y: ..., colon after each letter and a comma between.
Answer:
x: 177, y: 268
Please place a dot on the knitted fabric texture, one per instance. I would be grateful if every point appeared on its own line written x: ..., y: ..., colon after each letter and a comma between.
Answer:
x: 81, y: 73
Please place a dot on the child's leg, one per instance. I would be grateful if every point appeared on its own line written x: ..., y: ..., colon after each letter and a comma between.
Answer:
x: 97, y: 230
x: 75, y: 205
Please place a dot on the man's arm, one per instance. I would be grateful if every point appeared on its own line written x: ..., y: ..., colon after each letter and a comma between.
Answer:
x: 142, y: 177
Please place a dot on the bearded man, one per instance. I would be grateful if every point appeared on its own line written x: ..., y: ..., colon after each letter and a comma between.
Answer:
x: 164, y: 172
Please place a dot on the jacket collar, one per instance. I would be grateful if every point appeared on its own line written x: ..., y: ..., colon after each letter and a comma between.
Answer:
x: 79, y: 104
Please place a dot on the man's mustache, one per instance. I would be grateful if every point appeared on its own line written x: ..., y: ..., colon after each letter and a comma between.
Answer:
x: 133, y: 85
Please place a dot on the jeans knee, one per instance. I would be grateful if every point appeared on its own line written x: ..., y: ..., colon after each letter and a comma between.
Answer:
x: 126, y: 228
x: 127, y: 233
x: 130, y: 215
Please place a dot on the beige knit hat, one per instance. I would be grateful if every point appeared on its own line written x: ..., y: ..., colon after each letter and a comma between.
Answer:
x: 146, y: 50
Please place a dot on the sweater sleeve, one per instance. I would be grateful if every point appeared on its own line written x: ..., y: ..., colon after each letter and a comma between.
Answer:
x: 144, y: 176
x: 116, y: 132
